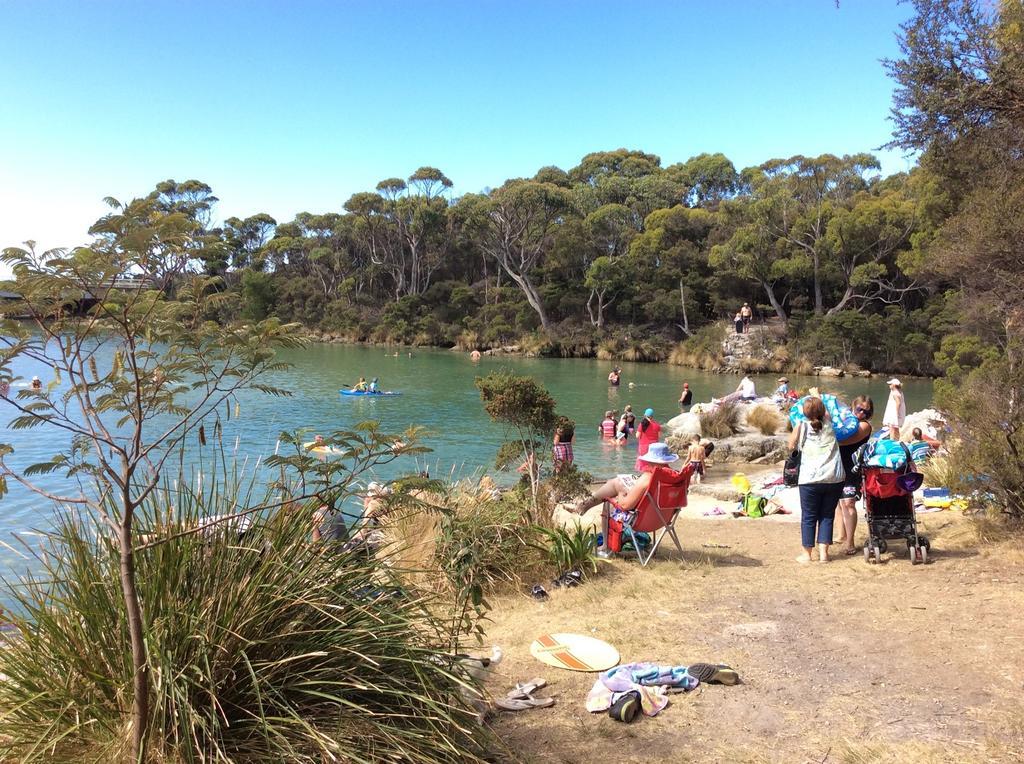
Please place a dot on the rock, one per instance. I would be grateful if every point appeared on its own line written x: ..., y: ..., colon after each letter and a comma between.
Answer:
x: 862, y: 373
x: 828, y: 371
x: 747, y: 448
x: 931, y: 422
x: 684, y: 426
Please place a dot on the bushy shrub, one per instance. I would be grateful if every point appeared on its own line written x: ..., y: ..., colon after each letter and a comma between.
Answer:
x: 985, y: 410
x: 721, y: 422
x: 764, y: 418
x: 570, y: 548
x: 703, y: 350
x: 260, y: 648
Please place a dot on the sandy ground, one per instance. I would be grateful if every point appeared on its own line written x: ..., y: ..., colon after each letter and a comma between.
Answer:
x: 842, y: 662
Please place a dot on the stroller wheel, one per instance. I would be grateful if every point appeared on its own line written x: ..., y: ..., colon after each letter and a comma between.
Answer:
x: 883, y: 546
x: 878, y: 556
x: 924, y: 554
x: 867, y: 553
x: 924, y: 542
x: 913, y: 554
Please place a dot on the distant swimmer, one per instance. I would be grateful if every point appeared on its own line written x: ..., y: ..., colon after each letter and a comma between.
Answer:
x: 615, y: 377
x: 475, y: 355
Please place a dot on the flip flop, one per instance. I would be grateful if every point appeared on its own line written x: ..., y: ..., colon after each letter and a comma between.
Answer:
x: 852, y: 550
x: 523, y: 704
x: 714, y: 673
x: 526, y: 689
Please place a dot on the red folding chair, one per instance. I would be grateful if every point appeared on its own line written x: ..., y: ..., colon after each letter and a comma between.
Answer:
x: 657, y: 510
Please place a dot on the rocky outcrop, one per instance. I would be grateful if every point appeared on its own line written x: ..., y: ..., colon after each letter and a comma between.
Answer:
x: 744, y: 448
x: 684, y: 426
x: 931, y: 422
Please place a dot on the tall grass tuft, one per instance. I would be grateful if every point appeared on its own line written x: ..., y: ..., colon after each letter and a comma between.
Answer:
x: 767, y: 419
x: 720, y: 423
x: 261, y: 647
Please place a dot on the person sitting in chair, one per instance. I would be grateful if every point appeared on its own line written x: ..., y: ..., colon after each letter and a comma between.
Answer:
x: 623, y: 493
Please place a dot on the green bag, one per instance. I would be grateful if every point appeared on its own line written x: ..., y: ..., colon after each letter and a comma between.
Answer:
x: 753, y: 505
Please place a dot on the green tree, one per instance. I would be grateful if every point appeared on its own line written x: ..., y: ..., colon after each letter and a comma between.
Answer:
x: 170, y: 371
x: 527, y: 411
x: 515, y: 227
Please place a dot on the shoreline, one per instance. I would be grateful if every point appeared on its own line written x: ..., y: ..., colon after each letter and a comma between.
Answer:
x: 517, y: 350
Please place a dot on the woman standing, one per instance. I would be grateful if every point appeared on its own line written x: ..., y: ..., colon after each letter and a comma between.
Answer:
x: 649, y: 432
x: 863, y: 409
x: 895, y: 409
x: 821, y: 478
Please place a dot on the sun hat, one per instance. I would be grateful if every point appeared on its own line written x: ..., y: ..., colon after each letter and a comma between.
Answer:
x: 894, y: 381
x: 649, y: 412
x: 782, y: 379
x: 910, y: 481
x: 659, y: 453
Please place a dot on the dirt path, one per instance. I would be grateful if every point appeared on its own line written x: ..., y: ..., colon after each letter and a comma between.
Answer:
x: 842, y: 662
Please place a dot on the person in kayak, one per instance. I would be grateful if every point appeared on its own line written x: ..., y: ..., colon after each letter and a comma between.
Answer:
x: 375, y: 385
x: 360, y: 386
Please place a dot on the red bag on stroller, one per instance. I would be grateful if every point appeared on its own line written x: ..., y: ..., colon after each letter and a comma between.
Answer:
x: 882, y: 483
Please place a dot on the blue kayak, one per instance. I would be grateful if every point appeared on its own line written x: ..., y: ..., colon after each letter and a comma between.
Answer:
x: 368, y: 393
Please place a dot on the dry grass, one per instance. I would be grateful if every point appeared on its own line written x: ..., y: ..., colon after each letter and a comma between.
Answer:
x: 805, y: 644
x: 766, y: 419
x: 720, y: 423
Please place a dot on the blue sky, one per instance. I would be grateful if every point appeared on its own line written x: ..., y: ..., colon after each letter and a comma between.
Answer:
x: 285, y: 107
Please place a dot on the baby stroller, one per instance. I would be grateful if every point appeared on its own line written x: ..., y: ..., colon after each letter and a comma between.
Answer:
x: 889, y: 507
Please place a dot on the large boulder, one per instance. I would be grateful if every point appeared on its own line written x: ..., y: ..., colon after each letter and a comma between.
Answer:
x: 749, y: 448
x: 931, y: 422
x: 684, y: 426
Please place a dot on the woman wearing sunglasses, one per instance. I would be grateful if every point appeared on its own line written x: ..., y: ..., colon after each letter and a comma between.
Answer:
x: 863, y: 409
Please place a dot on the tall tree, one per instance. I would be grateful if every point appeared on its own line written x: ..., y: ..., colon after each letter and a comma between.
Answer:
x: 516, y: 225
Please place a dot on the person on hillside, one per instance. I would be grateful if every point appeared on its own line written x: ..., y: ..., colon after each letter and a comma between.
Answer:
x: 561, y: 449
x: 360, y: 386
x: 895, y: 409
x: 820, y: 480
x: 685, y: 397
x: 863, y: 408
x: 624, y: 492
x: 696, y: 457
x: 607, y: 426
x: 615, y: 377
x: 746, y: 314
x: 738, y: 322
x: 921, y: 446
x: 647, y: 433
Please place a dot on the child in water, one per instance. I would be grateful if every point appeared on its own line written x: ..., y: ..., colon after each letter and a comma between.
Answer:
x: 696, y: 456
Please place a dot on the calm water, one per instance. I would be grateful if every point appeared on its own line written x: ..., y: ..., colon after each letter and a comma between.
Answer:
x: 437, y: 393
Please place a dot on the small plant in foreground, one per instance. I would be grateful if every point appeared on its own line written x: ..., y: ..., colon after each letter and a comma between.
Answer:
x: 570, y: 548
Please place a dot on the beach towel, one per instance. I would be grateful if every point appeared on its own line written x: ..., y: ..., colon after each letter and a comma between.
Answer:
x: 647, y: 679
x: 843, y: 420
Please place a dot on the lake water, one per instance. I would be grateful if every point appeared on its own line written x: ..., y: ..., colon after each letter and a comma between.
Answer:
x: 437, y: 393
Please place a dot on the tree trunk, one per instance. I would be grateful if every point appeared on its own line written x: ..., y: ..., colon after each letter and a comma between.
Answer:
x: 819, y: 307
x: 682, y: 299
x: 779, y: 310
x: 532, y: 297
x: 140, y: 680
